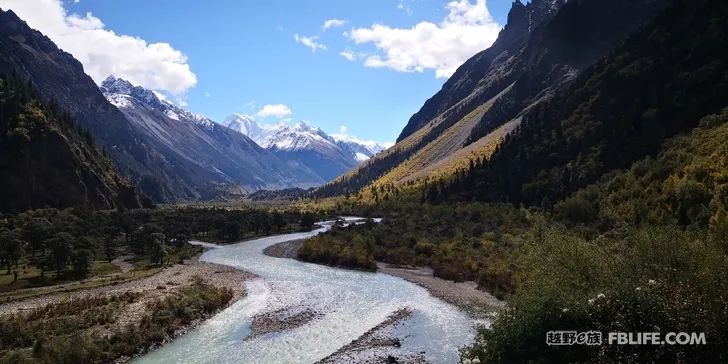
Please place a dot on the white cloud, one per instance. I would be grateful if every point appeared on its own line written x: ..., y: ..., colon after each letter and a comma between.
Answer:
x: 333, y: 23
x: 347, y: 54
x: 310, y: 42
x: 103, y: 52
x: 343, y: 135
x: 277, y: 110
x: 467, y: 29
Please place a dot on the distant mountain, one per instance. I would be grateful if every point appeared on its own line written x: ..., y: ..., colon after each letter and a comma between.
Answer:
x: 360, y: 151
x: 303, y: 144
x: 248, y: 126
x: 544, y: 47
x: 226, y: 162
x: 47, y: 161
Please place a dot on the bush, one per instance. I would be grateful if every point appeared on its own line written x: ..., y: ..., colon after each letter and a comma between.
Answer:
x: 64, y: 332
x: 650, y: 279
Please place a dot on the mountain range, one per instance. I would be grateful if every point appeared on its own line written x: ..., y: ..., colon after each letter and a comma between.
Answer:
x: 329, y: 156
x: 525, y: 119
x: 241, y: 155
x: 60, y: 78
x: 170, y: 153
x: 226, y: 163
x: 281, y: 135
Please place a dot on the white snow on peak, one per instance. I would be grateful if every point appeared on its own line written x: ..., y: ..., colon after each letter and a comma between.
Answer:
x: 123, y: 94
x: 247, y: 125
x: 372, y: 146
x: 300, y: 136
x: 120, y: 101
x: 160, y: 95
x: 171, y: 114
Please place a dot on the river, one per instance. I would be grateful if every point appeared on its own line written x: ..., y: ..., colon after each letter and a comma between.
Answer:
x: 351, y: 302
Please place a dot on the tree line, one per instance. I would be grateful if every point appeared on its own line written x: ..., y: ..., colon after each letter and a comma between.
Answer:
x: 68, y: 241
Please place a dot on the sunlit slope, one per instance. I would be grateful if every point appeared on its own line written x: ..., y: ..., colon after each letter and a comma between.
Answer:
x: 460, y: 159
x: 439, y: 156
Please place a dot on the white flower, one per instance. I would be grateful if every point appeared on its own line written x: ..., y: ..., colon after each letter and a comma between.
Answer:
x: 591, y: 301
x: 467, y: 361
x: 564, y: 310
x: 651, y: 281
x: 601, y: 295
x: 638, y: 289
x: 476, y: 361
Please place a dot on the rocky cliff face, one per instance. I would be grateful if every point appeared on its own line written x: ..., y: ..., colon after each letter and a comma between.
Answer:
x: 660, y: 81
x: 477, y: 71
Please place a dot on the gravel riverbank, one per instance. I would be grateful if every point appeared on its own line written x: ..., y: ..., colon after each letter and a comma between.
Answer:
x: 466, y: 295
x: 378, y: 345
x: 287, y: 249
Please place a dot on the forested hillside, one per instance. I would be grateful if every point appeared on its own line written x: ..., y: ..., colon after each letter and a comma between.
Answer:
x: 650, y: 246
x: 659, y: 83
x: 48, y: 161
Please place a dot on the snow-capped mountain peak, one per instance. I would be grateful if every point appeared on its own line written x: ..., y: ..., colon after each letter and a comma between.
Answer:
x: 300, y: 136
x: 303, y: 137
x: 247, y: 125
x: 123, y: 94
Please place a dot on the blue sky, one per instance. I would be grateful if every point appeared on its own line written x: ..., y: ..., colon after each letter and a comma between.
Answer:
x: 221, y: 57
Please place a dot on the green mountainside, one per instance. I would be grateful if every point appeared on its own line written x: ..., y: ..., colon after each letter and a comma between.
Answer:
x: 659, y: 83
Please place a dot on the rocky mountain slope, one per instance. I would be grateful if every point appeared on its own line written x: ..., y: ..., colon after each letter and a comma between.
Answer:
x: 225, y: 162
x: 540, y: 52
x: 306, y: 145
x: 47, y: 161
